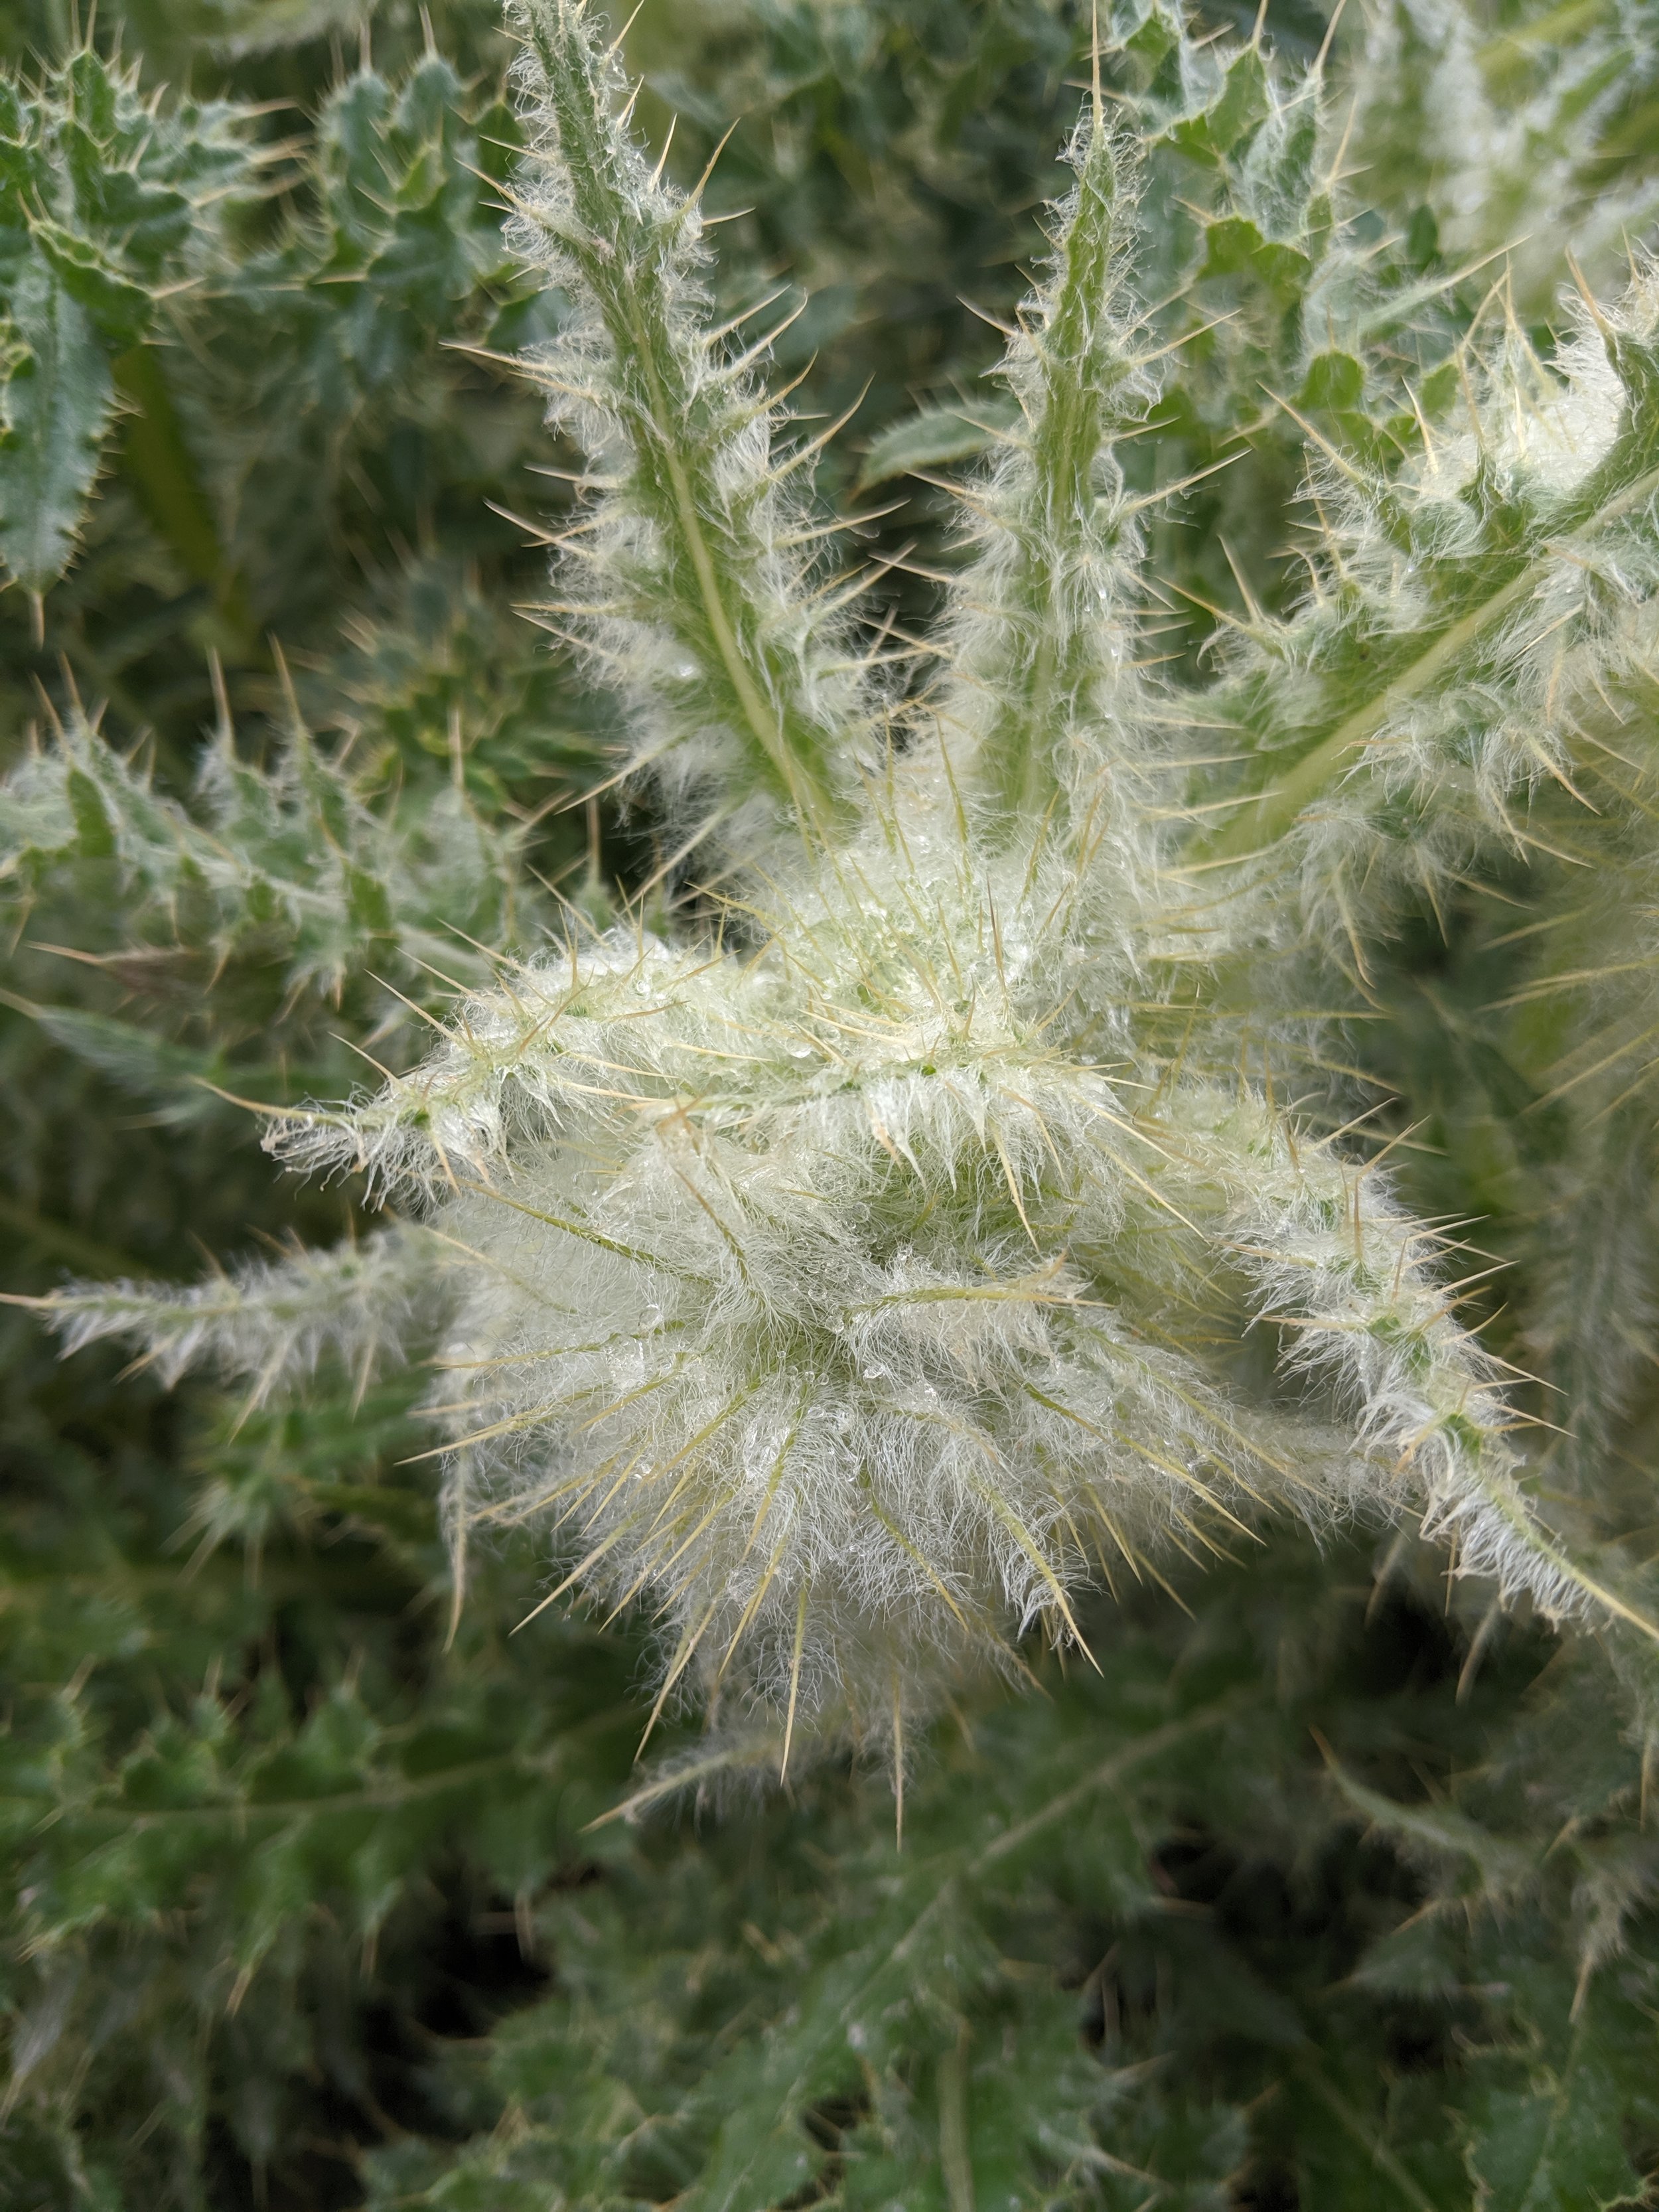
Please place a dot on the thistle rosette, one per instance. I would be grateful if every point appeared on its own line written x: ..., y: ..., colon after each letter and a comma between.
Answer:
x: 828, y: 1296
x: 857, y: 1282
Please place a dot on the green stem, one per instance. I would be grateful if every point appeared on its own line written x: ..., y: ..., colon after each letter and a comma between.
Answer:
x: 955, y: 2156
x: 163, y: 474
x: 624, y: 241
x: 386, y: 1796
x: 1080, y: 366
x: 1381, y: 2156
x: 765, y: 724
x: 69, y: 1243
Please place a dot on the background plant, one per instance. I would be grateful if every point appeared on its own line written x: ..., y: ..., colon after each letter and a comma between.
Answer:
x: 301, y: 1857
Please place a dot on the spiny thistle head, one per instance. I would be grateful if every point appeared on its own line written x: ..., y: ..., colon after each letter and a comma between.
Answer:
x: 842, y: 1306
x: 856, y: 1282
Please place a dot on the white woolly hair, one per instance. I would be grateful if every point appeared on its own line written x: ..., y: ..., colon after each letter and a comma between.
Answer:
x: 365, y: 1303
x: 689, y: 583
x: 1507, y: 175
x: 835, y: 1305
x: 1445, y: 767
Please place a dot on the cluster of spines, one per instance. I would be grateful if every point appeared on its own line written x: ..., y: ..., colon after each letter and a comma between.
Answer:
x: 1039, y: 685
x: 690, y: 580
x: 1490, y: 121
x: 292, y: 860
x: 271, y: 1322
x: 1465, y: 601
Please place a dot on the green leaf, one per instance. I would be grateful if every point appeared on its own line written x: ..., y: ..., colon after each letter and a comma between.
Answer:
x: 162, y: 468
x: 1236, y: 247
x: 1557, y: 2144
x: 935, y: 437
x: 58, y: 404
x: 94, y: 829
x: 120, y: 308
x: 1335, y: 380
x: 1500, y: 1863
x: 174, y: 1076
x: 1235, y: 116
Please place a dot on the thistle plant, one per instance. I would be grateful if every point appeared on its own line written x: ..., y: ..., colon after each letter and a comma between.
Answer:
x: 852, y: 1270
x: 977, y: 1120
